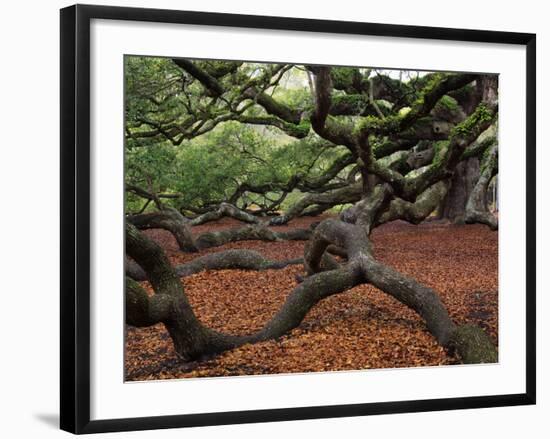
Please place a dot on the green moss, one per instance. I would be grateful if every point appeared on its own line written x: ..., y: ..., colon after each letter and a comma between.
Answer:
x: 344, y: 77
x: 433, y: 81
x: 220, y: 68
x: 390, y: 124
x: 403, y: 111
x: 489, y: 159
x: 447, y: 103
x: 480, y: 147
x: 424, y: 101
x: 355, y: 102
x: 299, y: 131
x: 426, y: 80
x: 481, y: 114
x: 395, y: 160
x: 473, y: 345
x: 440, y: 150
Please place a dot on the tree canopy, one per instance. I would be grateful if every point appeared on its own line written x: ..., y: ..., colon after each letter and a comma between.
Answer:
x: 278, y: 136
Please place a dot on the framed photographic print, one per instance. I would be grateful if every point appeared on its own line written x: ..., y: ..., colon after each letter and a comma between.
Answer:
x: 285, y: 218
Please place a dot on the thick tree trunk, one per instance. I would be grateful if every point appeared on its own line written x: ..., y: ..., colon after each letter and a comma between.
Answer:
x: 464, y: 179
x: 476, y: 207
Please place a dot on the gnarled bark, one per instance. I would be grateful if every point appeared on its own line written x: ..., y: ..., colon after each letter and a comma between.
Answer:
x: 192, y: 339
x: 421, y: 299
x: 167, y: 219
x: 133, y: 270
x: 476, y: 208
x: 248, y: 233
x: 347, y: 194
x: 224, y: 260
x: 173, y: 221
x: 404, y: 186
x: 225, y: 209
x: 462, y: 183
x: 415, y: 212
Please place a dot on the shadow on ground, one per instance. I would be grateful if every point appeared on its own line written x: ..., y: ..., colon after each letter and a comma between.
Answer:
x: 49, y: 419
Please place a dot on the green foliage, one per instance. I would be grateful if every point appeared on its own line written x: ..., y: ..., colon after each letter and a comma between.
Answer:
x: 344, y: 77
x: 149, y: 81
x: 356, y: 102
x: 197, y: 138
x: 209, y: 169
x: 295, y: 90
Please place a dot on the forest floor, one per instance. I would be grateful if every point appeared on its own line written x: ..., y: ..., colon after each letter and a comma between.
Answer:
x: 362, y: 328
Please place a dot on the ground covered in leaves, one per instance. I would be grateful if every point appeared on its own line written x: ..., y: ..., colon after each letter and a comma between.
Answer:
x: 360, y: 329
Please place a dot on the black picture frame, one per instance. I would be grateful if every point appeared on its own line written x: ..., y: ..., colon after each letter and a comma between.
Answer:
x: 75, y: 217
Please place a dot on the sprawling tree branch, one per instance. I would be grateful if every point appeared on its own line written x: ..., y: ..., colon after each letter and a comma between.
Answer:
x: 416, y: 212
x: 209, y: 82
x: 180, y: 227
x: 224, y: 260
x: 346, y: 194
x: 192, y: 339
x: 404, y: 141
x: 225, y: 210
x: 167, y: 219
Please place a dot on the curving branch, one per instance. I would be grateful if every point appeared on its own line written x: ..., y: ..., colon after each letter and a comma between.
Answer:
x: 324, y: 125
x: 192, y: 339
x: 207, y: 80
x: 171, y: 220
x: 248, y: 233
x: 225, y: 210
x: 366, y: 212
x: 472, y: 348
x: 301, y: 182
x: 418, y: 211
x: 224, y: 260
x: 167, y: 219
x: 347, y: 194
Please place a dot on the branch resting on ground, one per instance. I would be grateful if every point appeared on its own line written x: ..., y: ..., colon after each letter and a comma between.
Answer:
x: 180, y: 227
x: 192, y: 339
x: 225, y: 260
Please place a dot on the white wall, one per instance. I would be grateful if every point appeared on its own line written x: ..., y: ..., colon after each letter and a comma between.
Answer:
x: 29, y: 221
